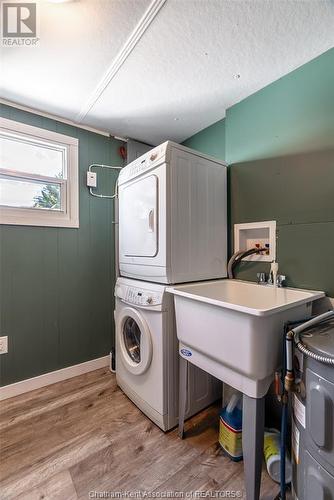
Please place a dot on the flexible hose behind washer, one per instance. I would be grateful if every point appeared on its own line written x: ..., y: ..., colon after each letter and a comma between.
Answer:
x: 318, y: 357
x: 329, y: 360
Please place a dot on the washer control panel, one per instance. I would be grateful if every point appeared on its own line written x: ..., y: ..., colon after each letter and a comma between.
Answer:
x: 143, y: 297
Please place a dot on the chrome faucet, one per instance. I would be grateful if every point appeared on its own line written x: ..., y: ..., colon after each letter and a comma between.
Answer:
x: 280, y: 280
x: 262, y: 279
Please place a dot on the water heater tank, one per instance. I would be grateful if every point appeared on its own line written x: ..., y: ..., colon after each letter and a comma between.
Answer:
x: 313, y: 418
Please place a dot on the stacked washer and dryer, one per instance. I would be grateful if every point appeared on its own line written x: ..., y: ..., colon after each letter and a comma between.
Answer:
x: 172, y: 229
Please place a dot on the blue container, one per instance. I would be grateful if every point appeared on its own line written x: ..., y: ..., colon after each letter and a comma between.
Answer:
x: 230, y: 428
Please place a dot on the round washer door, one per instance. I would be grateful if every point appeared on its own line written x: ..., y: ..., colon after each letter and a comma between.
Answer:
x: 135, y: 341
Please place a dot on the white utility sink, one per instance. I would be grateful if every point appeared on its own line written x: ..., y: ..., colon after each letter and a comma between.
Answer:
x: 234, y: 329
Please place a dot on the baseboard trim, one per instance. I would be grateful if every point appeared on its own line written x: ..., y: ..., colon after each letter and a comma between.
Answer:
x: 30, y: 384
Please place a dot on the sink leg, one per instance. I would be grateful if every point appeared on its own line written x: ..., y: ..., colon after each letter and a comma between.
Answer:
x: 252, y: 444
x: 183, y: 371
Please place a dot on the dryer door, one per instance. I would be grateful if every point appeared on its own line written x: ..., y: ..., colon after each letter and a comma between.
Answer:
x: 138, y: 217
x: 135, y: 341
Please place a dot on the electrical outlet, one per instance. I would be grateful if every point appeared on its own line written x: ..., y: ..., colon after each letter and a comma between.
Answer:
x: 3, y: 345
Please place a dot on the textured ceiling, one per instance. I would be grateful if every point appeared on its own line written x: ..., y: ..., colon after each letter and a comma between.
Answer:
x: 163, y: 69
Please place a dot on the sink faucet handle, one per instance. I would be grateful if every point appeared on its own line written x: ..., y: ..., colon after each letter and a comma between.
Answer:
x: 261, y: 278
x: 280, y: 280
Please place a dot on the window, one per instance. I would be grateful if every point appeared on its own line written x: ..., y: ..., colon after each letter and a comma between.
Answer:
x: 38, y: 176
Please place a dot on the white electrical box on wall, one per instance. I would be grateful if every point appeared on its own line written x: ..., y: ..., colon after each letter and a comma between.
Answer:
x: 91, y: 179
x: 256, y: 234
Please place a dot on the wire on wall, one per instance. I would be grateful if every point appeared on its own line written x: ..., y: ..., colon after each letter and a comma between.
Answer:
x: 98, y: 195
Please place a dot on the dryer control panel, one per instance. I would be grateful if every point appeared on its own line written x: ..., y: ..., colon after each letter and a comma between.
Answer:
x: 144, y: 162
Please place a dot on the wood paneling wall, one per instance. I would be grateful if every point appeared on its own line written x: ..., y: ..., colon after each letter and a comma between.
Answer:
x: 57, y: 284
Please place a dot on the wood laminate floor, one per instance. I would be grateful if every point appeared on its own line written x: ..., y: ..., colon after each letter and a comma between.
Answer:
x: 74, y: 438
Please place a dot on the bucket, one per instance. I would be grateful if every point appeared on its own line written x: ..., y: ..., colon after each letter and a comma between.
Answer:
x: 271, y: 450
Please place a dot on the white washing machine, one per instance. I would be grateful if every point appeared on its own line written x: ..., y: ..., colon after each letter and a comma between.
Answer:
x: 147, y: 354
x: 172, y: 216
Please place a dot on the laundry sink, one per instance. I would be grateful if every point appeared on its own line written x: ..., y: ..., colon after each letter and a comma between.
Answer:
x: 233, y: 329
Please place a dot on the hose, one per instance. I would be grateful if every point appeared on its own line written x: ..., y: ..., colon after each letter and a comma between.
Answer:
x: 302, y: 347
x: 238, y: 256
x: 293, y: 336
x: 284, y: 426
x: 318, y: 357
x: 284, y: 423
x: 313, y: 321
x: 231, y: 263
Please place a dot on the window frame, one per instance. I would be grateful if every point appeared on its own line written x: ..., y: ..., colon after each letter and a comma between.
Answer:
x: 68, y: 215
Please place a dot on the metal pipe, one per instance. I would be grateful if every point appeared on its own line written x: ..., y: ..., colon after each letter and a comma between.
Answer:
x: 293, y: 336
x: 328, y: 360
x: 113, y: 167
x: 284, y: 426
x: 302, y: 347
x: 311, y: 322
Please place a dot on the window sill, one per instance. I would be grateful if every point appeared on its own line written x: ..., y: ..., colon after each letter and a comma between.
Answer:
x: 20, y: 217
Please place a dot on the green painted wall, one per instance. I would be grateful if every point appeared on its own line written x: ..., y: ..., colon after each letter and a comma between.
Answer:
x: 295, y: 114
x: 210, y: 141
x: 56, y: 284
x: 279, y: 144
x: 298, y: 192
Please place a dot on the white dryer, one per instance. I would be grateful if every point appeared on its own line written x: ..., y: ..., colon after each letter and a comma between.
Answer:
x: 172, y: 216
x: 147, y: 354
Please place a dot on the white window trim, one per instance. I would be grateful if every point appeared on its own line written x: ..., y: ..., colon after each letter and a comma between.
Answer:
x: 69, y: 215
